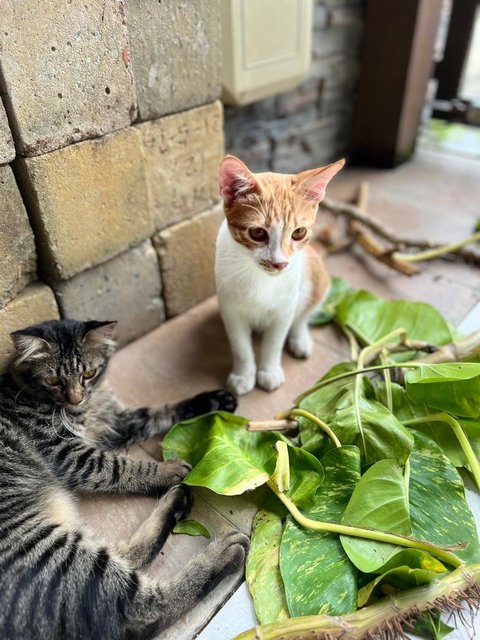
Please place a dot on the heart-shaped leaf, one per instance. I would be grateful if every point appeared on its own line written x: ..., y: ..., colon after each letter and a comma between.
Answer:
x: 371, y: 317
x: 439, y: 512
x: 379, y: 501
x: 228, y: 459
x: 317, y: 574
x: 262, y: 569
x: 452, y: 387
x: 378, y: 434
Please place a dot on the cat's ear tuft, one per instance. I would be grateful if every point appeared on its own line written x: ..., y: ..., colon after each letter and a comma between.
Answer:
x: 236, y: 180
x: 99, y: 334
x: 314, y: 182
x: 29, y: 346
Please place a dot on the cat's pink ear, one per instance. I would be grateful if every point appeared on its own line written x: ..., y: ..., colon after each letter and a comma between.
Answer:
x: 236, y: 180
x: 314, y: 182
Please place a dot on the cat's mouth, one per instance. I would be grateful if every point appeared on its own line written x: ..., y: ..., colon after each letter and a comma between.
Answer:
x: 270, y: 268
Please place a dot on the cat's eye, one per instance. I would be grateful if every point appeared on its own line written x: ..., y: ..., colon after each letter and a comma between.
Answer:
x: 89, y: 373
x: 299, y: 234
x: 52, y: 380
x: 258, y: 234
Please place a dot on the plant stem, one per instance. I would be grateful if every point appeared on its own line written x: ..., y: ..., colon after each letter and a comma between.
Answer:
x: 460, y: 435
x: 368, y: 352
x: 360, y: 532
x: 383, y: 617
x: 438, y: 251
x: 313, y: 418
x: 352, y: 342
x: 349, y: 374
x: 406, y: 479
x: 388, y: 379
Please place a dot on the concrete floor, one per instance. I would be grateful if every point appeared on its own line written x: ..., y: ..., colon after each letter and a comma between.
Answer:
x: 434, y: 196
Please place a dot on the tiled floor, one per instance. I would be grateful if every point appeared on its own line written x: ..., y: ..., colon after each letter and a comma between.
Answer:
x: 435, y: 195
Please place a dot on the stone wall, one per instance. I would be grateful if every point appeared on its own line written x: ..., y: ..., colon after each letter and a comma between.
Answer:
x: 309, y: 126
x: 111, y: 134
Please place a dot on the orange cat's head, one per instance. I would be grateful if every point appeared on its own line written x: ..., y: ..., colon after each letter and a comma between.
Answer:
x: 272, y: 214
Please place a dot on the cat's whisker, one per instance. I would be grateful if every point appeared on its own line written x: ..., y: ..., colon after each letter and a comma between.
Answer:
x: 22, y: 389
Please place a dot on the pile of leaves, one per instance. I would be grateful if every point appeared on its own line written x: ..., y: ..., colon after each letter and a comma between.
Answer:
x: 365, y: 499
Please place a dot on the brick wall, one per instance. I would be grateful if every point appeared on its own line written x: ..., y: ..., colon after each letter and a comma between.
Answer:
x: 111, y: 134
x: 309, y: 126
x: 108, y: 160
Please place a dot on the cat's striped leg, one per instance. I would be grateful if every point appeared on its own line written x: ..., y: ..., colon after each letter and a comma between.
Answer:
x: 89, y: 470
x: 158, y: 605
x: 135, y: 425
x: 147, y: 541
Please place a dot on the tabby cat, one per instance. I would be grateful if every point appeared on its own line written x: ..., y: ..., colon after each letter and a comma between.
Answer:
x: 268, y: 279
x: 57, y: 421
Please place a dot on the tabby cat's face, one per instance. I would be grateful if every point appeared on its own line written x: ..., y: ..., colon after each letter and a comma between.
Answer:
x: 272, y: 214
x: 64, y: 360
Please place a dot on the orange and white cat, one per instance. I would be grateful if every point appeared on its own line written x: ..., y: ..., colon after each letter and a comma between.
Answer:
x: 268, y: 278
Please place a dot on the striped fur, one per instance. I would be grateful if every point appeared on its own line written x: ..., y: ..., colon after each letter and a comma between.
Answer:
x: 56, y: 580
x: 268, y: 278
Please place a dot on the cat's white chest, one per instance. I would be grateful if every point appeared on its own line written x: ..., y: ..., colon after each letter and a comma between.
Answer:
x: 257, y: 296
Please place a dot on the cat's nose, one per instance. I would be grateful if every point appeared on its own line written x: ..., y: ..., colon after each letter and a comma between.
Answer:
x: 279, y: 266
x: 74, y: 395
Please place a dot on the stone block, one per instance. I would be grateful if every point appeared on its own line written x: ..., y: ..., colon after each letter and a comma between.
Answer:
x: 87, y: 202
x: 7, y: 148
x: 17, y: 247
x: 126, y: 288
x: 302, y: 98
x: 183, y: 153
x: 187, y: 256
x: 320, y: 142
x: 336, y: 71
x: 176, y: 54
x: 338, y: 40
x: 66, y: 71
x: 35, y: 304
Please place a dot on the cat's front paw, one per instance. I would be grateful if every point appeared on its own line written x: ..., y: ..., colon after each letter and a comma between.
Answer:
x: 301, y: 346
x: 240, y: 385
x: 171, y: 473
x: 212, y: 401
x: 270, y: 379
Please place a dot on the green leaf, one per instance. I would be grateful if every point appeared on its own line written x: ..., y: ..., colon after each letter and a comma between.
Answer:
x: 191, y: 528
x: 398, y: 579
x: 439, y: 512
x: 228, y: 459
x: 452, y: 387
x: 317, y: 574
x: 306, y: 473
x: 441, y: 432
x: 408, y: 568
x: 379, y: 501
x: 262, y: 569
x: 381, y: 435
x: 430, y: 625
x: 371, y: 317
x: 339, y: 288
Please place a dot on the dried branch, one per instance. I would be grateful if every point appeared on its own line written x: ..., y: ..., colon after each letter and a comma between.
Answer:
x: 272, y: 425
x: 370, y: 244
x: 356, y: 214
